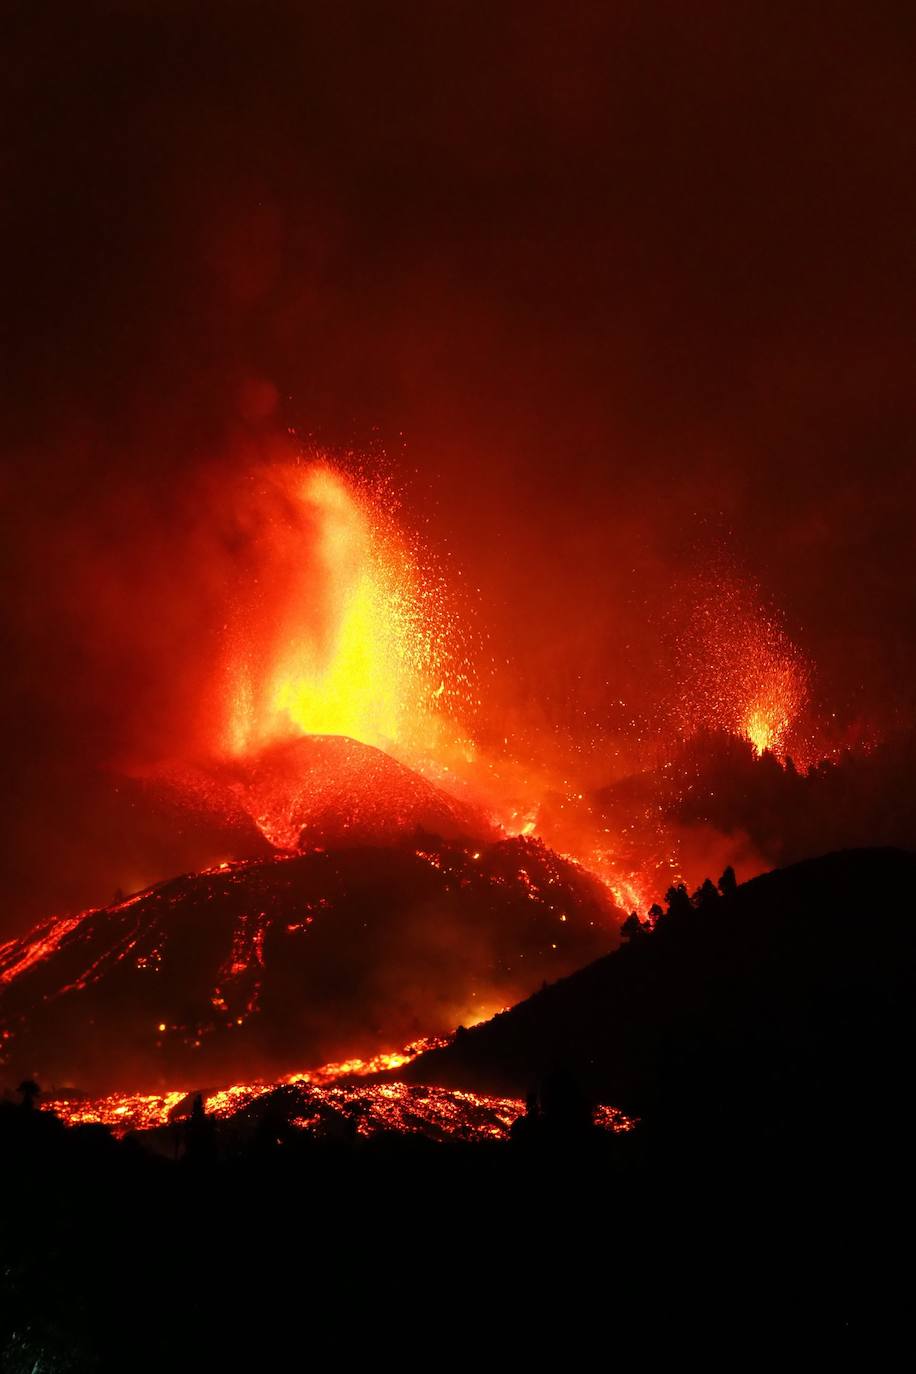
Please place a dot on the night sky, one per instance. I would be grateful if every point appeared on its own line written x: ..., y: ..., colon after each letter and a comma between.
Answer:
x: 617, y: 288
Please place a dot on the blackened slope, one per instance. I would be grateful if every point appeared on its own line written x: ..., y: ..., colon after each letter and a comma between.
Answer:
x: 280, y: 964
x: 799, y: 986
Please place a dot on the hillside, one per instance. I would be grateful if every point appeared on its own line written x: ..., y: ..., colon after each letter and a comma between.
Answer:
x: 270, y: 966
x: 791, y: 997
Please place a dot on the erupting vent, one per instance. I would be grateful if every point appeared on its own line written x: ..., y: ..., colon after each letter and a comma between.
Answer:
x: 741, y: 672
x: 326, y: 790
x: 336, y: 734
x: 350, y: 638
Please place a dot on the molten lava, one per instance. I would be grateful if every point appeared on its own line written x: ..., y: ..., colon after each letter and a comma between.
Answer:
x: 344, y: 701
x: 334, y: 953
x: 321, y: 1103
x: 387, y: 902
x: 351, y: 638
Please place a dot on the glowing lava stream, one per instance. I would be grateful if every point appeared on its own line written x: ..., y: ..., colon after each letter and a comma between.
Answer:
x: 329, y: 1091
x: 371, y: 1106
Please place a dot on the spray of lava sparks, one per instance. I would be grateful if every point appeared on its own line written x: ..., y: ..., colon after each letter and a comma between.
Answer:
x: 352, y: 636
x: 356, y: 636
x: 344, y: 651
x: 739, y: 670
x: 346, y: 674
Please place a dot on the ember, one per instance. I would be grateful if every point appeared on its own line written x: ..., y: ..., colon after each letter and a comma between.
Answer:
x: 743, y: 673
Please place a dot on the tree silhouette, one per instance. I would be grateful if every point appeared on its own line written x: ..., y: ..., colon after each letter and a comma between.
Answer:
x: 200, y: 1140
x: 728, y: 883
x: 706, y: 896
x: 678, y: 901
x: 30, y: 1093
x: 565, y: 1109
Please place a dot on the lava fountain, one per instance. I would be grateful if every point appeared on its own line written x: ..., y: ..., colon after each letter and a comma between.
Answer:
x: 739, y: 670
x: 351, y: 637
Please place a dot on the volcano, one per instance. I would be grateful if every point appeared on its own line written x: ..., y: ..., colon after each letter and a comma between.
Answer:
x: 324, y: 789
x: 266, y: 966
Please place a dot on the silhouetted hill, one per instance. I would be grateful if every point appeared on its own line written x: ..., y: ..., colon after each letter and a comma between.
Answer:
x: 786, y: 1004
x: 268, y: 966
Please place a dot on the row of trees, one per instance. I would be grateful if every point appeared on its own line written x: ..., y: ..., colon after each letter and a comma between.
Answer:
x: 680, y: 904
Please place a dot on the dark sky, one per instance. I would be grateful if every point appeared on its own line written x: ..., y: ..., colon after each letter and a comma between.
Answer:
x: 609, y: 282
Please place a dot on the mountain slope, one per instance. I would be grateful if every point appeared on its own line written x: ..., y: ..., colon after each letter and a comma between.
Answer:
x: 274, y: 965
x: 797, y: 989
x: 325, y: 789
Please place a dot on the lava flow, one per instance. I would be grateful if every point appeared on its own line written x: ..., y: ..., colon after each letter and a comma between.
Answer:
x: 322, y: 1107
x: 250, y: 966
x: 382, y: 879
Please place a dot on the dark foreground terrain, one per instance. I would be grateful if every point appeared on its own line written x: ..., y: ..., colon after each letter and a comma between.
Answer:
x: 784, y: 1002
x: 763, y: 1035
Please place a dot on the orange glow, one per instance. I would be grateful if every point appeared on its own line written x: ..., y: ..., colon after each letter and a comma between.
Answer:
x: 765, y: 729
x: 378, y: 1063
x: 326, y: 1093
x: 347, y: 631
x: 740, y: 670
x: 352, y: 639
x: 441, y: 1112
x: 18, y: 955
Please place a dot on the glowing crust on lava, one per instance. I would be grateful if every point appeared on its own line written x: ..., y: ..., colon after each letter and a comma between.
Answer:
x: 366, y: 1107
